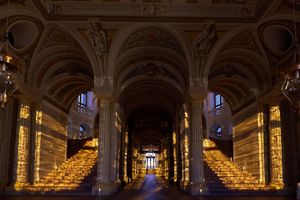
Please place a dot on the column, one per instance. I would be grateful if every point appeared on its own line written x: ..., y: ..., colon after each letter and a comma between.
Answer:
x: 197, y: 168
x: 105, y: 185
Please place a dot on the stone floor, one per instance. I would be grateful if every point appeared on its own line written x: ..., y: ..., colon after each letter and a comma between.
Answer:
x: 151, y: 188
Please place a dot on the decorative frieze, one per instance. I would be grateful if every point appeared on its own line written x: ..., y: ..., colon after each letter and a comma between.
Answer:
x: 151, y: 37
x: 153, y: 9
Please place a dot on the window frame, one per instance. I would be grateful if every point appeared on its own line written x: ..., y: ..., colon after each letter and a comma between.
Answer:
x: 218, y: 98
x: 219, y: 133
x: 82, y: 99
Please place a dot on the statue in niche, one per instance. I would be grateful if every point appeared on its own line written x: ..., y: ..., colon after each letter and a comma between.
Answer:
x: 99, y: 39
x: 205, y: 38
x: 204, y: 42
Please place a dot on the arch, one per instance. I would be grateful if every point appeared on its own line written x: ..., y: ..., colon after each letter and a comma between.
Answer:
x: 259, y: 56
x: 60, y: 67
x: 128, y: 31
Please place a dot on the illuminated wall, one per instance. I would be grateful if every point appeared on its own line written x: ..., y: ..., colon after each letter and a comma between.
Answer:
x: 276, y: 147
x: 125, y: 156
x: 174, y: 136
x: 22, y: 145
x: 135, y: 163
x: 261, y: 148
x: 184, y: 146
x: 166, y: 164
x: 50, y: 141
x: 247, y: 144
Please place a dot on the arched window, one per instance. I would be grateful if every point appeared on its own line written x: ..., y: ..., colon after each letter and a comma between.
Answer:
x: 82, y: 131
x: 218, y: 101
x: 219, y: 131
x: 82, y: 99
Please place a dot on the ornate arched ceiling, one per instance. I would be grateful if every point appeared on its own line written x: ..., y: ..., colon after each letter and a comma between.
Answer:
x: 60, y: 68
x: 151, y: 70
x: 239, y: 71
x: 58, y: 63
x: 151, y: 91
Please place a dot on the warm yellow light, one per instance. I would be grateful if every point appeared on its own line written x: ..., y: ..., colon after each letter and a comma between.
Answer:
x: 186, y: 118
x: 260, y: 123
x: 38, y: 135
x: 67, y: 176
x: 230, y: 175
x: 175, y: 155
x: 174, y: 138
x: 23, y: 147
x: 186, y: 159
x: 24, y: 111
x: 276, y: 148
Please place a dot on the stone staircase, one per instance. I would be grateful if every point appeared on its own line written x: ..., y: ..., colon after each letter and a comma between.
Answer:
x: 223, y: 176
x: 75, y: 174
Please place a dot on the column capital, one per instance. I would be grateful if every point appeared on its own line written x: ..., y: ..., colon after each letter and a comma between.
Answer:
x: 103, y: 87
x: 197, y: 98
x: 198, y: 89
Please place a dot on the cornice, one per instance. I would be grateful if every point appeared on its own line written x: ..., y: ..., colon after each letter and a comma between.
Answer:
x: 243, y: 13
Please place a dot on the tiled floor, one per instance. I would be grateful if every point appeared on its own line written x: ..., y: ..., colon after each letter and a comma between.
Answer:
x: 149, y: 189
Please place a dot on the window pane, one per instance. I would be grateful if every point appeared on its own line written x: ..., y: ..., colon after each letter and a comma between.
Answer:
x: 219, y: 131
x: 218, y: 100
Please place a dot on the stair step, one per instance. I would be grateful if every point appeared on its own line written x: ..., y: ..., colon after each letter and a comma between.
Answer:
x: 76, y: 173
x: 223, y: 176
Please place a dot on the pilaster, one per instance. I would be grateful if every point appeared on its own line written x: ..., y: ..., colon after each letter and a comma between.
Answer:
x: 197, y: 185
x: 22, y: 148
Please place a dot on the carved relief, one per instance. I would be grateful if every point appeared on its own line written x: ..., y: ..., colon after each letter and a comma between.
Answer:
x: 54, y: 7
x: 152, y: 9
x: 244, y: 40
x: 151, y: 37
x: 58, y: 37
x: 150, y: 70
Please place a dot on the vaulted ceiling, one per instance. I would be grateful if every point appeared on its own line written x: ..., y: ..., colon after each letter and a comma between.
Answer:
x: 151, y: 54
